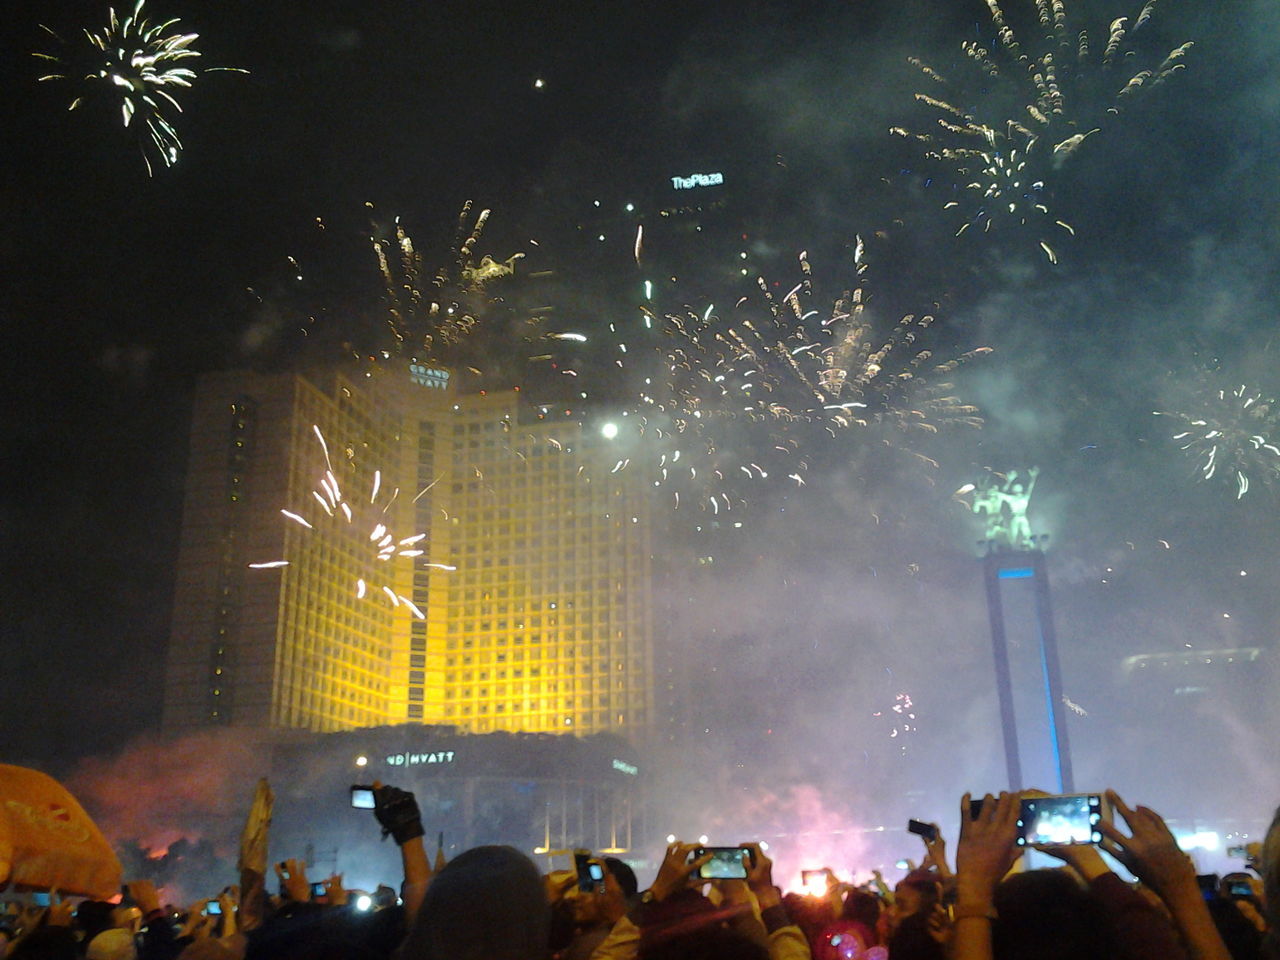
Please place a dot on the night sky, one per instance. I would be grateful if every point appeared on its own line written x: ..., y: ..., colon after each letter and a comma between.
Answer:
x: 120, y: 289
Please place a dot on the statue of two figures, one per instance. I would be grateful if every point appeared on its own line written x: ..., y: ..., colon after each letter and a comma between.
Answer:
x: 1001, y: 504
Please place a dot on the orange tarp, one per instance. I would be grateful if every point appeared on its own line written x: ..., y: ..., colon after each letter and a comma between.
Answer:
x: 47, y: 840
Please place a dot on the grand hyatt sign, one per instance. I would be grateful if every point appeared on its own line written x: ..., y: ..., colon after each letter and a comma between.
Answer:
x: 418, y: 759
x: 697, y: 180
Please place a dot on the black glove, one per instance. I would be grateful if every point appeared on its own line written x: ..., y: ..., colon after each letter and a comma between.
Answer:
x: 397, y: 811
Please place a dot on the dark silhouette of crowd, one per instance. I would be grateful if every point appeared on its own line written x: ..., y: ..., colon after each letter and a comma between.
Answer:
x: 492, y: 903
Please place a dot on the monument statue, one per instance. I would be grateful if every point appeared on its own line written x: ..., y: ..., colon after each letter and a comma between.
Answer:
x: 1001, y: 502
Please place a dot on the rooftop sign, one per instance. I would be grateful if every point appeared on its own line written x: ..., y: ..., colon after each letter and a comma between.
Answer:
x: 417, y: 759
x: 434, y: 377
x: 697, y: 180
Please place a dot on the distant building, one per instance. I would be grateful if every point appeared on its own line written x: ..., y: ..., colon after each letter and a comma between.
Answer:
x: 545, y: 625
x: 539, y: 792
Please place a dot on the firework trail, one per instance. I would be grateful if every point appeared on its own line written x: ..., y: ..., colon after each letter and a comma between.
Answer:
x: 756, y: 392
x: 372, y: 539
x: 1023, y: 113
x: 1232, y: 434
x: 144, y: 65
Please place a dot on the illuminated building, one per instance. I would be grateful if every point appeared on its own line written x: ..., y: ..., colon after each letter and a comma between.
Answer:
x: 544, y: 625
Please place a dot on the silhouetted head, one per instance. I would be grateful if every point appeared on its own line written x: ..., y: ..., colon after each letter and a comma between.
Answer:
x: 487, y: 904
x: 1269, y: 867
x: 1047, y: 915
x: 863, y: 907
x: 625, y: 876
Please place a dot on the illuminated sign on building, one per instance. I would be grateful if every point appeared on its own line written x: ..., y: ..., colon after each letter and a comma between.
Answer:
x: 418, y: 759
x: 630, y: 769
x: 697, y: 180
x: 433, y: 377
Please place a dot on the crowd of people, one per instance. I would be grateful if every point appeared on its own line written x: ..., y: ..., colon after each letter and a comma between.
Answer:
x: 492, y: 903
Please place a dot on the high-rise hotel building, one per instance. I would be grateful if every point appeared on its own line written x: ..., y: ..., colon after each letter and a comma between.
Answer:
x: 525, y: 607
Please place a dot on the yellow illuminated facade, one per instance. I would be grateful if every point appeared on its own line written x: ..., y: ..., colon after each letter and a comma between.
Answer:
x: 544, y: 625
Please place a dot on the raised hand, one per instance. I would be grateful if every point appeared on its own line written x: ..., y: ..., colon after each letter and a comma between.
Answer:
x: 987, y: 847
x: 334, y: 892
x: 676, y: 868
x: 1151, y: 852
x: 293, y: 880
x: 145, y: 896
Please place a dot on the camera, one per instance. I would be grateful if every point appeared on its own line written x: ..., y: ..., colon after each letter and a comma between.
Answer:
x: 1059, y: 821
x: 726, y: 863
x: 362, y: 797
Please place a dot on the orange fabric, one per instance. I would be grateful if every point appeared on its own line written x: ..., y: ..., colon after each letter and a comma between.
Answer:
x: 47, y: 840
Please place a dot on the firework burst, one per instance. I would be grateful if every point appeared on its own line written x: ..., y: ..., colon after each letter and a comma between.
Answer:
x: 144, y: 65
x: 757, y: 391
x: 1232, y: 434
x: 369, y: 524
x: 433, y: 318
x: 1030, y: 112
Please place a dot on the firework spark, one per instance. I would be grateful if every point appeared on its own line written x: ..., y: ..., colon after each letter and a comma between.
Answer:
x: 145, y: 65
x: 901, y: 718
x: 367, y: 520
x: 1233, y: 435
x: 753, y: 394
x: 1030, y: 113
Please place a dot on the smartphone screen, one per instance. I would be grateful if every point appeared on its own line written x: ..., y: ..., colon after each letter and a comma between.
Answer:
x: 726, y: 863
x: 362, y: 798
x: 1060, y: 820
x: 318, y: 890
x: 213, y: 908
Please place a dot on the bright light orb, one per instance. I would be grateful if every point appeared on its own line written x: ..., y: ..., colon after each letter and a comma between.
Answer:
x: 362, y: 761
x: 609, y: 431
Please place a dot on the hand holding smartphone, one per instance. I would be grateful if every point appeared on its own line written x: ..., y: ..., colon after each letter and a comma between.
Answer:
x: 590, y: 872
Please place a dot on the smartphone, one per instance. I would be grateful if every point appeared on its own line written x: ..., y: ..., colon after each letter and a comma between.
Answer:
x: 1208, y: 884
x: 1238, y: 853
x: 922, y: 829
x: 975, y: 808
x: 1061, y: 820
x: 362, y: 797
x: 726, y: 863
x: 590, y: 872
x: 40, y: 899
x: 213, y: 909
x: 318, y: 890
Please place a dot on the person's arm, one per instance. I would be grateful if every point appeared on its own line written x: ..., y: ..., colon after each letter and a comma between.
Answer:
x: 252, y: 861
x: 786, y: 940
x: 986, y: 851
x: 397, y: 811
x: 935, y: 855
x: 1152, y: 855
